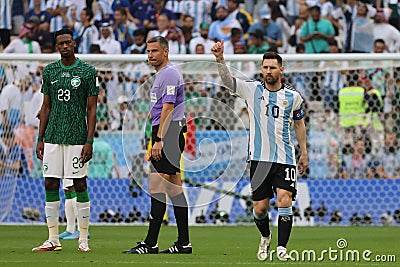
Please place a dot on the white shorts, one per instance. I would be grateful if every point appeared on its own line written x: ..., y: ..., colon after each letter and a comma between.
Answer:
x: 63, y: 161
x: 67, y: 183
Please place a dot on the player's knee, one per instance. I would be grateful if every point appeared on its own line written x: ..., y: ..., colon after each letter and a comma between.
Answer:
x: 285, y: 199
x: 260, y: 209
x: 52, y: 184
x: 80, y: 184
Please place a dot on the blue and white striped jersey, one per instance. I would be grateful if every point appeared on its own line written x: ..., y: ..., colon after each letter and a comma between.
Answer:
x: 57, y: 23
x: 5, y: 11
x: 271, y: 115
x: 199, y: 10
x: 88, y: 37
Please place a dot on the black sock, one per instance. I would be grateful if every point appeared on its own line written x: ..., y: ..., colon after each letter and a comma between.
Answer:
x: 158, y: 207
x: 284, y: 228
x: 262, y: 224
x: 181, y: 216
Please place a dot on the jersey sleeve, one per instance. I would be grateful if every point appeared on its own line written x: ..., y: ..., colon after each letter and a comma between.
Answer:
x: 298, y: 112
x: 243, y: 89
x: 170, y: 86
x: 45, y: 82
x: 92, y: 82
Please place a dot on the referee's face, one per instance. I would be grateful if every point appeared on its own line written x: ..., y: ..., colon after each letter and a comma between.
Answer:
x: 271, y: 71
x: 157, y: 56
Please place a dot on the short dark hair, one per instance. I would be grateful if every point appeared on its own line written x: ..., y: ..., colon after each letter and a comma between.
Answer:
x: 316, y: 8
x: 89, y: 12
x: 139, y: 32
x: 273, y: 55
x: 94, y: 48
x: 379, y: 41
x: 62, y: 32
x: 159, y: 39
x: 122, y: 11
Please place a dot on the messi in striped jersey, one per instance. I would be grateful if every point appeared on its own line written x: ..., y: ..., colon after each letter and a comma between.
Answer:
x: 273, y: 108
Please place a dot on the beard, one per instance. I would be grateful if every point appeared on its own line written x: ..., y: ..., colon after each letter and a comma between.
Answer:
x: 271, y: 80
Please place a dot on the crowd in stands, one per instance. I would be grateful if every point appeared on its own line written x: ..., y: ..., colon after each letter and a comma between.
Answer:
x: 355, y: 25
x: 192, y: 27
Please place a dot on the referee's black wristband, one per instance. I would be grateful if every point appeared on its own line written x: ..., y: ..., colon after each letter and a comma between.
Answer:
x: 40, y: 138
x: 89, y: 140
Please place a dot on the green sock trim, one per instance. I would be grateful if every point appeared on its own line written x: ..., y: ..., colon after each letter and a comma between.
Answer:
x: 82, y: 196
x: 70, y: 195
x: 52, y: 196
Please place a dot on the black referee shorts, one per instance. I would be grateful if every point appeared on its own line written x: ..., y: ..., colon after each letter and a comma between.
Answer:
x: 265, y: 177
x: 174, y: 144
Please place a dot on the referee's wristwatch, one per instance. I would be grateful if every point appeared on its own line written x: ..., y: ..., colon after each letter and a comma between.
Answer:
x: 158, y: 139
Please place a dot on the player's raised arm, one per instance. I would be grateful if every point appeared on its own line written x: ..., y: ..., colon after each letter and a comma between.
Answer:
x: 218, y: 52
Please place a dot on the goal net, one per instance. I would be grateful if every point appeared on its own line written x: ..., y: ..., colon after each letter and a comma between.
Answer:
x: 351, y: 105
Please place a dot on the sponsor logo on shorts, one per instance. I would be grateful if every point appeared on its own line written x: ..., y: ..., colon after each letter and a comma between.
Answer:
x: 75, y: 172
x: 45, y: 167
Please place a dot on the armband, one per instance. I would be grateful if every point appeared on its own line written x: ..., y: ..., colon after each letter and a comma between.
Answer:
x: 89, y: 140
x: 40, y: 138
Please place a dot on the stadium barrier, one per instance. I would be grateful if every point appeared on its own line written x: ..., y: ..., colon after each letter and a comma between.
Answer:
x: 117, y: 201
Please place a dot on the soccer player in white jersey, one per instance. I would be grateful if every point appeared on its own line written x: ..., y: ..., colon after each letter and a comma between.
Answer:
x: 273, y: 107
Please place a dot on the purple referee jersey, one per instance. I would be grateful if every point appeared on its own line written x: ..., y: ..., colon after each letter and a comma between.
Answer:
x: 167, y: 88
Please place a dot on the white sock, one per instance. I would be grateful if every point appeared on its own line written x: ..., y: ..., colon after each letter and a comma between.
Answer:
x: 52, y: 210
x: 83, y: 219
x: 70, y: 214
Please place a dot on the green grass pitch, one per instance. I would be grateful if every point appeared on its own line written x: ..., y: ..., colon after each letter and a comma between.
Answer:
x: 212, y: 246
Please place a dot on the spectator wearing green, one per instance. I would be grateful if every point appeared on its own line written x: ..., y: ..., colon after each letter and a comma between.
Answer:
x: 102, y: 163
x: 258, y: 44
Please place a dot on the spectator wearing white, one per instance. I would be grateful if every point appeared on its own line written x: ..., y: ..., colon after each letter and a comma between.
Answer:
x: 80, y: 5
x: 272, y: 32
x: 107, y: 42
x: 278, y: 17
x: 85, y: 34
x: 12, y: 104
x: 362, y: 31
x: 108, y: 45
x: 386, y: 32
x: 176, y: 41
x: 24, y: 42
x: 162, y: 27
x: 202, y: 39
x: 236, y: 36
x: 221, y: 28
x: 56, y: 8
x: 35, y: 104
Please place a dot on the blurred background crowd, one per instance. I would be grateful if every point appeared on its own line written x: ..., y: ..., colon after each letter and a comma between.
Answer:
x: 352, y: 113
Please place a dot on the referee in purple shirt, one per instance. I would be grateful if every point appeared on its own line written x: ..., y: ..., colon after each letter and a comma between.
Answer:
x: 167, y: 113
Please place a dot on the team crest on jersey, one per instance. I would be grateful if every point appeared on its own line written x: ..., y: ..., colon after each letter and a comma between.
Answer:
x: 75, y: 82
x: 285, y: 103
